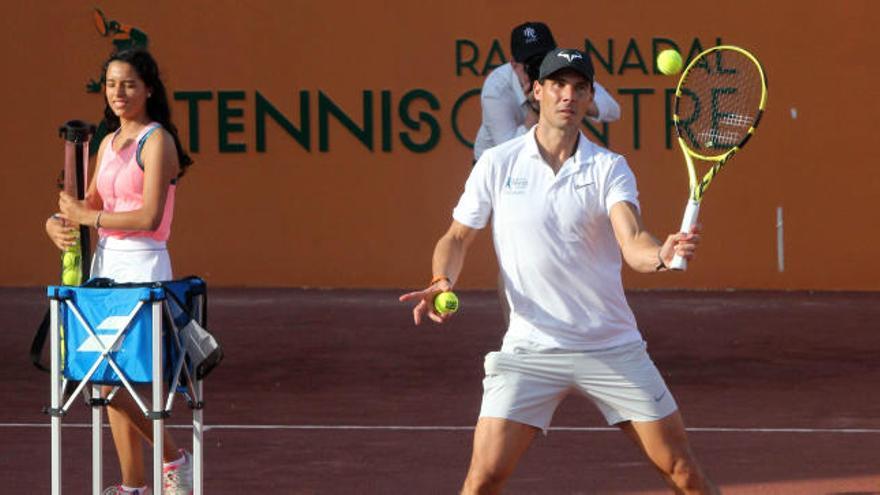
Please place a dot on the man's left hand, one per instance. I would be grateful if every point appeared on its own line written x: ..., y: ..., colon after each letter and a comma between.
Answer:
x: 684, y: 245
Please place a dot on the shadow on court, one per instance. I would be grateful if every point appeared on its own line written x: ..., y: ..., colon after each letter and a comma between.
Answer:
x: 337, y: 392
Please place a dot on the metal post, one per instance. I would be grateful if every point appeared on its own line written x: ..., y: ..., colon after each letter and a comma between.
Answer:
x: 97, y: 443
x: 198, y: 420
x: 780, y: 244
x: 198, y: 448
x: 55, y: 391
x: 158, y: 403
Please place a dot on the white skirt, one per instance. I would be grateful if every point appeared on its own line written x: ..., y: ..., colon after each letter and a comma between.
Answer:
x: 138, y: 259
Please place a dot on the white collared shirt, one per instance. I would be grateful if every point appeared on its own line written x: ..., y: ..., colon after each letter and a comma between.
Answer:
x: 502, y: 101
x: 555, y: 245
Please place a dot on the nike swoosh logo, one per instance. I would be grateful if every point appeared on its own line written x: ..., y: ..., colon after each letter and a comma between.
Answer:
x: 581, y: 186
x: 659, y: 397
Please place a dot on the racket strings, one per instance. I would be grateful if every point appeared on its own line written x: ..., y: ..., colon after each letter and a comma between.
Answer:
x: 718, y: 102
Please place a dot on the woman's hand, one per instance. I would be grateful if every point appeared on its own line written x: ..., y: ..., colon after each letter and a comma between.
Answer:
x: 61, y: 233
x: 75, y: 211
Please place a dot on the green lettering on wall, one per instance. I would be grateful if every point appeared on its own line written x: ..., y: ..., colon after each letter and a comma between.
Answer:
x: 224, y: 125
x: 632, y: 52
x: 601, y: 136
x: 684, y: 122
x: 461, y: 62
x: 427, y: 118
x: 495, y: 52
x: 455, y: 108
x: 607, y: 62
x: 696, y: 49
x: 719, y: 64
x: 670, y: 122
x: 636, y: 94
x: 192, y: 98
x: 263, y: 108
x: 719, y: 140
x: 386, y: 120
x: 326, y: 107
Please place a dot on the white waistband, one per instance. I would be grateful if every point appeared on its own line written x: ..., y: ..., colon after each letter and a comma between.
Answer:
x: 131, y: 244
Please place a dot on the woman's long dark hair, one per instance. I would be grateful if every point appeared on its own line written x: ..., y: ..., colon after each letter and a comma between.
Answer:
x: 157, y: 104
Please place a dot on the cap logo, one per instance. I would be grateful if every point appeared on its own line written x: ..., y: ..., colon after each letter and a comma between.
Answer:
x: 569, y: 56
x: 530, y: 35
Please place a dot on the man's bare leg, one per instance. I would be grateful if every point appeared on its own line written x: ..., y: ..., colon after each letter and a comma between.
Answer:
x: 665, y: 443
x: 498, y: 445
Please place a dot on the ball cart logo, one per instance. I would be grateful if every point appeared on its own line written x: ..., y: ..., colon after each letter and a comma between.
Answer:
x: 105, y: 334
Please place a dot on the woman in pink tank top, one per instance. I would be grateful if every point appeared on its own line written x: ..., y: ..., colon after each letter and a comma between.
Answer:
x: 131, y: 202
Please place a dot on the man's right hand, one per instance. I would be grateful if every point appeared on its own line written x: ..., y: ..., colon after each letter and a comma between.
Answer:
x: 425, y: 305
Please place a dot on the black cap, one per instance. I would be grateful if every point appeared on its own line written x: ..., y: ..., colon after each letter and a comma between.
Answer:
x: 530, y: 39
x: 567, y: 58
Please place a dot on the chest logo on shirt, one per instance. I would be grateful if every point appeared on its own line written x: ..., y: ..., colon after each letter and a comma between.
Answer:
x: 516, y: 185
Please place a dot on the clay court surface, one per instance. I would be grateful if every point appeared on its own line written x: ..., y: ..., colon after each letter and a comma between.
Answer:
x: 336, y: 392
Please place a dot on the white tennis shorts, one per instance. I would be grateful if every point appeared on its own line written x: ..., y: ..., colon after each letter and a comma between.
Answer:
x: 622, y: 382
x: 137, y: 259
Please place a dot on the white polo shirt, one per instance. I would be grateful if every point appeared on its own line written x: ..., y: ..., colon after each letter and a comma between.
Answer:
x: 556, y: 249
x: 502, y: 103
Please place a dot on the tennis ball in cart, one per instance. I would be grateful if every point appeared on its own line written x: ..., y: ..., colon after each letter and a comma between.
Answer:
x: 446, y: 302
x: 70, y: 266
x: 69, y: 260
x: 71, y: 277
x: 669, y: 62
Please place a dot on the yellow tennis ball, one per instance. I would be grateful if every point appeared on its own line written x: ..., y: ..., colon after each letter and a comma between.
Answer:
x: 71, y: 277
x: 669, y: 62
x: 69, y: 260
x: 446, y: 302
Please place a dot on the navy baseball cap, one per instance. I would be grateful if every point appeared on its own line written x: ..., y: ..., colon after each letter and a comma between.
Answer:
x: 566, y: 58
x: 530, y: 39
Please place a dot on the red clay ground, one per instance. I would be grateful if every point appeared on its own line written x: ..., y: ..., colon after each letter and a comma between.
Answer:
x: 778, y: 389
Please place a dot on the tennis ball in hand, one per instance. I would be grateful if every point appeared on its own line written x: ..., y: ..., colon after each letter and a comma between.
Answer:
x: 446, y: 302
x: 669, y: 62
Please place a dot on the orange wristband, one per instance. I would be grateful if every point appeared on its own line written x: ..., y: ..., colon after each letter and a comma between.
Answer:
x: 439, y: 278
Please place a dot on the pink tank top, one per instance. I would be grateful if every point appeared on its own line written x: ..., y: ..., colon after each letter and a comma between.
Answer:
x: 121, y: 186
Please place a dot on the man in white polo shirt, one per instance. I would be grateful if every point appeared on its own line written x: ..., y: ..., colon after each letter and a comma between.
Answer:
x: 566, y: 214
x: 508, y: 106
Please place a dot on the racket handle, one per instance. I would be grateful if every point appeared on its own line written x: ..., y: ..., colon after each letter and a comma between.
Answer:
x: 691, y: 211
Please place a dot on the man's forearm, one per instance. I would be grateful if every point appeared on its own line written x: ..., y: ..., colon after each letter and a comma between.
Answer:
x: 642, y: 253
x: 448, y: 258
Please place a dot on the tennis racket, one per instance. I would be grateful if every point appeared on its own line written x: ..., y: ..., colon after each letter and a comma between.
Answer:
x: 719, y: 102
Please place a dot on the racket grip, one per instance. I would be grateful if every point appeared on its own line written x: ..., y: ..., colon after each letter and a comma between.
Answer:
x: 691, y: 211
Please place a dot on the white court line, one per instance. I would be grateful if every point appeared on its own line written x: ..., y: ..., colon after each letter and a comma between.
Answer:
x: 464, y: 428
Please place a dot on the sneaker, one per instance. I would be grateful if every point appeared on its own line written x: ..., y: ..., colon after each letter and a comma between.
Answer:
x: 178, y: 480
x: 118, y: 490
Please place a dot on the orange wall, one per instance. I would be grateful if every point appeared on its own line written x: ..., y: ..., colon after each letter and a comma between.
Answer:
x: 354, y: 217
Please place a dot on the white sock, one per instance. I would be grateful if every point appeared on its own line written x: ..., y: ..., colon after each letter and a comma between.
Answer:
x: 178, y: 462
